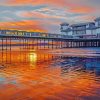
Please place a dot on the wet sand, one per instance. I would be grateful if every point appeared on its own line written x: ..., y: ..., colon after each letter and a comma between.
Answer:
x: 50, y: 75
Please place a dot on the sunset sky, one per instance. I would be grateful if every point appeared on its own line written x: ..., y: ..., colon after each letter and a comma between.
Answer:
x: 46, y: 15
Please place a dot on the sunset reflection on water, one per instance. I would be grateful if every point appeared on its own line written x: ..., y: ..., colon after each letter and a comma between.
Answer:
x: 46, y: 75
x: 33, y: 59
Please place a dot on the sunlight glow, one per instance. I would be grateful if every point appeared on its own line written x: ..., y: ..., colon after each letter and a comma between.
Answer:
x: 33, y: 57
x: 33, y: 60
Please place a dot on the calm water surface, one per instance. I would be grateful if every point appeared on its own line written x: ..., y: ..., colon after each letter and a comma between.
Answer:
x: 66, y: 74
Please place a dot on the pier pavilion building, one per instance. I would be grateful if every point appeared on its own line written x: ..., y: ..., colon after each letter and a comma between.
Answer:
x: 82, y: 30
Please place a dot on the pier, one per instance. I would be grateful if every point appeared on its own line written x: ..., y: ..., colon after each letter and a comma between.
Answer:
x: 45, y: 42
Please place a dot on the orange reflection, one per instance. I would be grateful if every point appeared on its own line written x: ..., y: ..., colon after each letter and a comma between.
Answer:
x: 33, y: 60
x: 33, y: 57
x: 19, y: 81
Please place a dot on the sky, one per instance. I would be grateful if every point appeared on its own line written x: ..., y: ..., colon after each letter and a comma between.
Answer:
x: 46, y: 15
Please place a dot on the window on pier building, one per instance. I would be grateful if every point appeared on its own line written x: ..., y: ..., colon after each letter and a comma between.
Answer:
x: 99, y: 23
x: 8, y: 33
x: 98, y: 31
x: 93, y: 31
x: 80, y: 27
x: 92, y: 25
x: 20, y: 33
x: 0, y: 32
x: 79, y: 32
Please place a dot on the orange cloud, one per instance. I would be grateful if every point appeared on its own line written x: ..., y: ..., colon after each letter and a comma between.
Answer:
x: 34, y: 2
x: 23, y: 25
x: 66, y: 4
x: 80, y: 9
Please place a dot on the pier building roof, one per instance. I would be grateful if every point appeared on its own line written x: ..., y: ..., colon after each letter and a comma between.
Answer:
x: 82, y: 24
x: 63, y: 24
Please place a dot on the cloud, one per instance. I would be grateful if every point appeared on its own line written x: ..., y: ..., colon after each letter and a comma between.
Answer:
x: 46, y: 15
x: 23, y: 25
